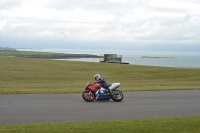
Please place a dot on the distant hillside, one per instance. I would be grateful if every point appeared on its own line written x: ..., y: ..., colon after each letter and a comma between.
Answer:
x: 47, y: 55
x: 7, y: 48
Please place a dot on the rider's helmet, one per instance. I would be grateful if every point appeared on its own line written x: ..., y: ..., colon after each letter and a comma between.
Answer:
x: 97, y: 77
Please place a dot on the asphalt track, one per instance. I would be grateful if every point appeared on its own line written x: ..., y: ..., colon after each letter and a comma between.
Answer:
x: 39, y: 108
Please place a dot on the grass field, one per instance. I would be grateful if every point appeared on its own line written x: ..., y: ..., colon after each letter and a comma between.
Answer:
x: 161, y: 125
x: 34, y: 76
x: 30, y: 75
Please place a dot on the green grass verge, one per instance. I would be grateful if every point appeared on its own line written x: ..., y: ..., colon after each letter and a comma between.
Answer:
x: 29, y: 75
x: 161, y: 125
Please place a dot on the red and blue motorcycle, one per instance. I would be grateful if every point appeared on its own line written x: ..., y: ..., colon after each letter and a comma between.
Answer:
x: 98, y: 92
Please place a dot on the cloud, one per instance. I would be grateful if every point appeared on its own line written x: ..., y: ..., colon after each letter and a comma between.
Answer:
x: 131, y: 22
x: 7, y: 4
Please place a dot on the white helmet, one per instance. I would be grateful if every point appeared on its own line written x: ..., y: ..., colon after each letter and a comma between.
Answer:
x: 97, y: 77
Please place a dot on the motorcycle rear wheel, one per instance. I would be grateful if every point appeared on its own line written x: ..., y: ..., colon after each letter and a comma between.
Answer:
x: 88, y: 96
x: 117, y: 96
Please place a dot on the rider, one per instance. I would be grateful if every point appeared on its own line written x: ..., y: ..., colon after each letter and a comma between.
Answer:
x: 100, y: 80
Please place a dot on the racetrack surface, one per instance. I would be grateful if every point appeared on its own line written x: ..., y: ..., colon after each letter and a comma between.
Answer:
x: 37, y: 108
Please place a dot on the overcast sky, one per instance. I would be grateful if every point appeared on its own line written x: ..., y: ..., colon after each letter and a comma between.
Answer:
x: 101, y: 24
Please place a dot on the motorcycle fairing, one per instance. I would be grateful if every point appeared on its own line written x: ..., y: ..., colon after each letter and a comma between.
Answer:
x: 102, y: 95
x: 92, y: 87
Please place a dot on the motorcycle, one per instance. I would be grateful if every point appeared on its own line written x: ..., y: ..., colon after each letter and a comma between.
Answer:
x: 98, y: 92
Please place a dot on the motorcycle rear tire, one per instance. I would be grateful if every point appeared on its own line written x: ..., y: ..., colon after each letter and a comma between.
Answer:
x: 116, y: 99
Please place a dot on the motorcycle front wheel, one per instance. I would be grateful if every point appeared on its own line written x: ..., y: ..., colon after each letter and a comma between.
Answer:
x: 117, y: 96
x: 88, y: 96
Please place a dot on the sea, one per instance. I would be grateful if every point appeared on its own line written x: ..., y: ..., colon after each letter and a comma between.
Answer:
x: 148, y: 58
